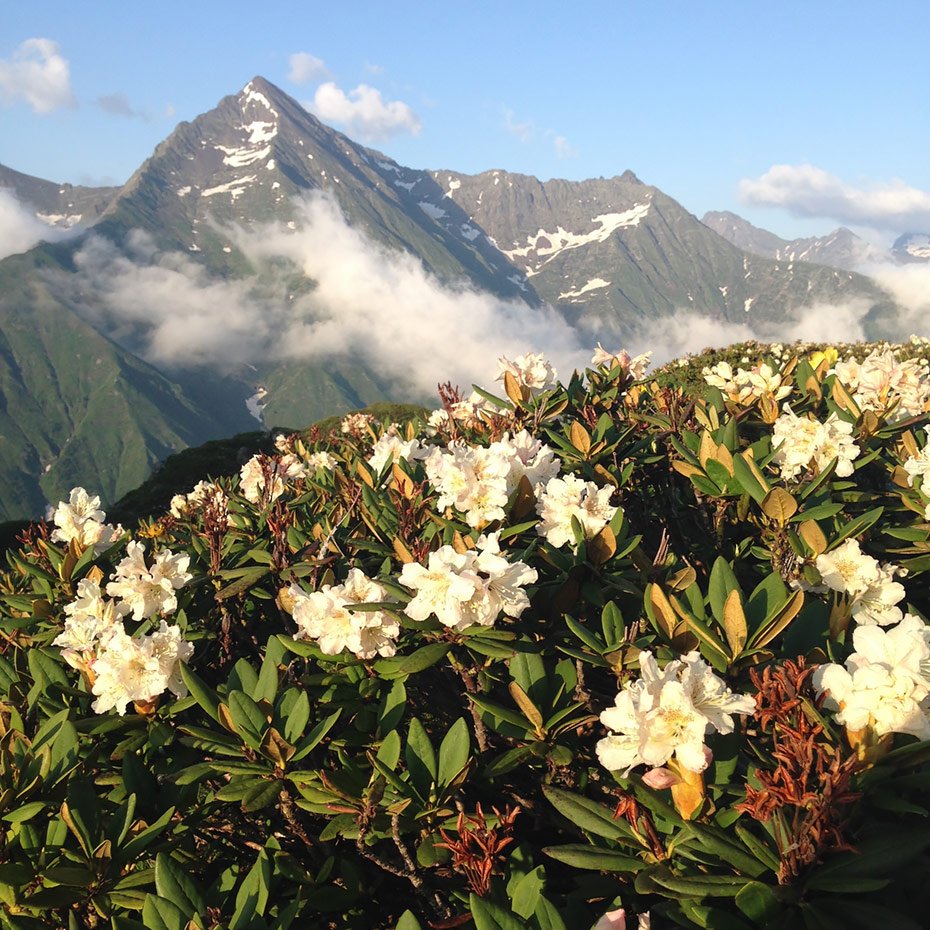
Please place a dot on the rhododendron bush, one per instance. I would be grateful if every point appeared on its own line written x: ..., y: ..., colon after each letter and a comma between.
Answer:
x: 625, y: 650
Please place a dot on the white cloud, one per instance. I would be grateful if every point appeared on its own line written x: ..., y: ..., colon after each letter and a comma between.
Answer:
x: 524, y: 131
x: 20, y: 230
x: 305, y: 68
x: 364, y: 113
x: 563, y: 148
x: 687, y: 332
x: 38, y: 74
x: 118, y: 104
x: 808, y: 191
x: 369, y: 303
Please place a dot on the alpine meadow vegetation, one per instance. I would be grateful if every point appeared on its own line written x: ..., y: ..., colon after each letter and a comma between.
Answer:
x: 633, y: 650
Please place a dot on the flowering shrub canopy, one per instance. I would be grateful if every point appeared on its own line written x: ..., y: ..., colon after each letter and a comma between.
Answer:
x: 625, y: 650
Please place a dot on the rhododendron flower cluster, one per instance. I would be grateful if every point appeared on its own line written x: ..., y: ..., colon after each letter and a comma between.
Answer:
x: 478, y: 480
x: 147, y: 591
x: 465, y: 588
x: 801, y: 444
x: 203, y: 492
x: 389, y: 448
x: 325, y: 616
x: 123, y: 669
x: 666, y: 714
x: 885, y: 683
x: 356, y: 424
x: 531, y: 371
x: 266, y: 477
x: 635, y: 366
x: 871, y: 587
x: 81, y: 520
x: 570, y: 497
x: 745, y: 386
x: 90, y: 619
x: 137, y: 669
x: 883, y: 382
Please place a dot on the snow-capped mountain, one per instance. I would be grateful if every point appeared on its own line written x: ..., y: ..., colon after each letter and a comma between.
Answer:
x: 912, y: 247
x: 841, y: 248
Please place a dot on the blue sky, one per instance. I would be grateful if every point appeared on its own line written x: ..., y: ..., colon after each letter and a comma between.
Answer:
x: 701, y: 100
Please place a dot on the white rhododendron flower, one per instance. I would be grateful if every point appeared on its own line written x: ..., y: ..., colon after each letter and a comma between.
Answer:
x: 255, y: 474
x: 919, y: 465
x: 322, y: 459
x: 356, y: 424
x: 324, y: 616
x: 389, y: 447
x: 90, y: 620
x: 137, y: 669
x: 635, y: 366
x: 478, y: 480
x: 746, y: 385
x: 148, y: 591
x: 801, y: 443
x: 80, y: 519
x: 885, y: 683
x: 463, y: 589
x: 883, y: 383
x: 667, y: 713
x: 202, y: 493
x: 530, y: 370
x: 567, y: 497
x: 872, y: 591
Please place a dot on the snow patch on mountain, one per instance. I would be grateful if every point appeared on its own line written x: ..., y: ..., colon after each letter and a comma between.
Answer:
x: 592, y: 285
x: 550, y: 244
x: 235, y: 188
x: 431, y: 210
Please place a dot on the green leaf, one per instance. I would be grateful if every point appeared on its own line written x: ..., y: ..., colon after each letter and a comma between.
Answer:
x: 758, y: 902
x: 160, y: 914
x: 202, y: 693
x: 418, y: 661
x: 524, y: 898
x: 296, y: 717
x: 722, y: 582
x: 547, y: 917
x: 591, y: 857
x: 313, y: 738
x: 393, y: 705
x: 586, y: 814
x: 489, y: 916
x: 700, y: 886
x: 389, y: 751
x: 248, y: 718
x: 174, y: 883
x: 252, y: 897
x: 25, y: 812
x: 244, y: 579
x: 408, y: 922
x: 857, y: 527
x: 454, y: 751
x: 420, y: 757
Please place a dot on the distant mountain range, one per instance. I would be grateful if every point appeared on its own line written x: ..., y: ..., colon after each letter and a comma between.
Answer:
x: 80, y: 405
x: 841, y: 248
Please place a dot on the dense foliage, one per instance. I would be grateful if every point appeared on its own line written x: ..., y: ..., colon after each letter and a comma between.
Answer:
x: 612, y: 645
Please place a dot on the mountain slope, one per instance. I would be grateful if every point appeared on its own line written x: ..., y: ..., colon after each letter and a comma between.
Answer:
x: 840, y: 249
x: 74, y: 407
x: 617, y: 253
x: 62, y: 205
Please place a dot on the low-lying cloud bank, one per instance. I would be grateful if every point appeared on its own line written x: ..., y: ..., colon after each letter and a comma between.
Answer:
x: 370, y: 303
x: 360, y: 300
x: 20, y: 229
